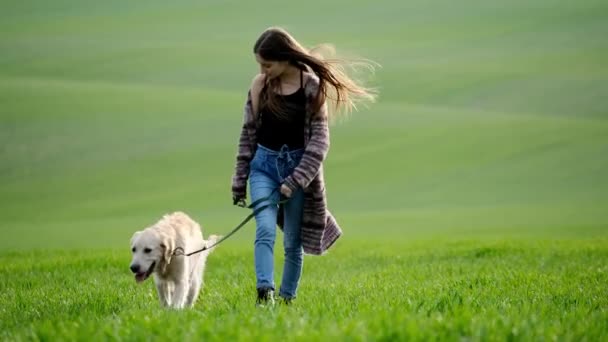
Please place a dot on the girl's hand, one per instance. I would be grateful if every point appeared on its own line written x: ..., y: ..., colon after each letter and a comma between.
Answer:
x: 285, y: 190
x: 241, y: 202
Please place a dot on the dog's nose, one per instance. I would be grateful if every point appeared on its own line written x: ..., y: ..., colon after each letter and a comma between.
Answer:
x: 134, y: 268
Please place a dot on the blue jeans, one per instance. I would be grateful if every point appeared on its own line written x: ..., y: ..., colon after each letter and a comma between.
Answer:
x: 268, y: 169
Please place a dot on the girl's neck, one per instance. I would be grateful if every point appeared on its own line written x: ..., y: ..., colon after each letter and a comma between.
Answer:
x: 290, y: 75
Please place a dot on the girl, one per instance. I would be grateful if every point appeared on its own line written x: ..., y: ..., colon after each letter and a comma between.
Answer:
x: 283, y: 142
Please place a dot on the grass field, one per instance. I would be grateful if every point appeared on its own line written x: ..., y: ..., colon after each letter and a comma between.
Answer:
x: 473, y: 196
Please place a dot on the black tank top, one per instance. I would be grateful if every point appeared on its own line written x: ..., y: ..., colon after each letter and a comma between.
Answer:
x: 276, y: 130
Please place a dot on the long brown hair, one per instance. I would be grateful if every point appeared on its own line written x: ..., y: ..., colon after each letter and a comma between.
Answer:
x: 335, y: 84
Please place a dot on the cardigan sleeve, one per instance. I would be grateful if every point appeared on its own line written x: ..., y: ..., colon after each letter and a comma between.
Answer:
x: 244, y: 153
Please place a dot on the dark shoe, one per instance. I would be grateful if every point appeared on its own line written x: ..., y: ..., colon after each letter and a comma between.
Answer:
x: 265, y: 297
x: 287, y: 301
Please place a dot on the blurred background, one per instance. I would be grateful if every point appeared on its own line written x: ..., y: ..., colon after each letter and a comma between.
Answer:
x: 491, y: 120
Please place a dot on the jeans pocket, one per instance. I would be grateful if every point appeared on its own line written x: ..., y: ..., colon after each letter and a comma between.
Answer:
x: 255, y: 163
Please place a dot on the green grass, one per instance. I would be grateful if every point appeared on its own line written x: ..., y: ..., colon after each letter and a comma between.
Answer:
x: 473, y: 195
x: 491, y: 290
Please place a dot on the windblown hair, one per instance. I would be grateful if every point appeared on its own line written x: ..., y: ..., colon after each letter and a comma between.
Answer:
x: 335, y: 83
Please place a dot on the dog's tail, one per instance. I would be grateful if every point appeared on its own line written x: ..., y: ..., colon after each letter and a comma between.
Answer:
x: 211, y: 240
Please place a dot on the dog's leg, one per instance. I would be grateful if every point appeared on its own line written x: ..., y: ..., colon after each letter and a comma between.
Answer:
x: 181, y: 285
x: 197, y: 281
x: 170, y: 290
x: 195, y: 287
x: 162, y: 290
x: 179, y: 295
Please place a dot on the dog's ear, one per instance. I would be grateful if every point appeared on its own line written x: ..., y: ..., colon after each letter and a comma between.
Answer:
x: 167, y: 244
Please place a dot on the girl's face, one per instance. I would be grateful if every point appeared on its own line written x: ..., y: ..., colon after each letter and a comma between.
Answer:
x: 271, y: 69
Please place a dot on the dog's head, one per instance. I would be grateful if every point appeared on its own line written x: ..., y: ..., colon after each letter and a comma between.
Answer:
x: 151, y: 251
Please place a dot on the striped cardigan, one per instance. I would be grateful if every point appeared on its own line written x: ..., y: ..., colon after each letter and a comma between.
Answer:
x: 319, y: 228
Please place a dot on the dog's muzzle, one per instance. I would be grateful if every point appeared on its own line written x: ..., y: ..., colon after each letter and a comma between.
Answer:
x: 141, y: 276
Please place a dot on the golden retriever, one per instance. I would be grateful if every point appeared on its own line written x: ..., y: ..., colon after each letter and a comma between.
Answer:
x: 178, y: 278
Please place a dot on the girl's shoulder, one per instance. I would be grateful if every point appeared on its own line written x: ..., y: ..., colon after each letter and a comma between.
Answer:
x: 257, y: 83
x: 311, y: 83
